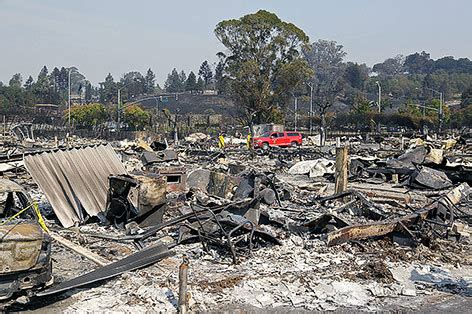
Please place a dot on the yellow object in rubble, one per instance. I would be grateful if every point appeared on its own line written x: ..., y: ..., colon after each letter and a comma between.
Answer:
x: 221, y: 141
x: 36, y: 211
x: 248, y: 143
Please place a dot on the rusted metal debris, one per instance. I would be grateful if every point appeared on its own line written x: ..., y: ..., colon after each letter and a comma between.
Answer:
x: 223, y: 230
x: 382, y: 228
x: 176, y: 178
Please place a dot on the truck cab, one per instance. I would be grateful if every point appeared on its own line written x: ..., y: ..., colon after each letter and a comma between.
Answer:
x: 281, y: 139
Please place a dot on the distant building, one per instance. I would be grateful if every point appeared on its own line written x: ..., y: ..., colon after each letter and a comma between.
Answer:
x: 76, y: 100
x: 46, y: 113
x: 47, y: 109
x: 210, y: 92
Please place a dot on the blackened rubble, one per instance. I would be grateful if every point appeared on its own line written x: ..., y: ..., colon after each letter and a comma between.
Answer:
x: 258, y: 228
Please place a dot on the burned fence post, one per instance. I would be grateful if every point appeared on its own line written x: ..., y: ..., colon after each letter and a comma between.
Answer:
x: 341, y: 169
x: 183, y: 294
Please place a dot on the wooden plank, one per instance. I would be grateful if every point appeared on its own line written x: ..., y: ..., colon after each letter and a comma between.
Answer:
x: 97, y: 259
x: 341, y: 169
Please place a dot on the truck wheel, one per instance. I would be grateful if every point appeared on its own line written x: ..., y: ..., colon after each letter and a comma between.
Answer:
x: 294, y: 144
x: 265, y: 146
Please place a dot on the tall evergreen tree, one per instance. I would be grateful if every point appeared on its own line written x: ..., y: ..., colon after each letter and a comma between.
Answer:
x: 206, y: 73
x: 174, y: 83
x: 55, y: 77
x: 63, y: 79
x: 183, y: 79
x: 108, y: 90
x: 42, y: 87
x: 29, y: 83
x: 221, y: 84
x: 200, y: 84
x: 191, y: 83
x: 16, y: 81
x: 150, y: 82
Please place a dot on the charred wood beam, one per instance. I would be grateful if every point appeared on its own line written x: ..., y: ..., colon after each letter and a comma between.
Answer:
x: 378, y: 229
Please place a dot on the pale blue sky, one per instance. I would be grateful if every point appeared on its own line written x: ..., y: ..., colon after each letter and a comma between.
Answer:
x: 101, y: 36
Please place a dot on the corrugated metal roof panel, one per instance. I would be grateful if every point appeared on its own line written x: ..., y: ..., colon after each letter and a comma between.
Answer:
x: 75, y: 180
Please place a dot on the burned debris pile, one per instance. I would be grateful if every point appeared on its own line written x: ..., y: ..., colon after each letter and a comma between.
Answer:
x: 293, y: 227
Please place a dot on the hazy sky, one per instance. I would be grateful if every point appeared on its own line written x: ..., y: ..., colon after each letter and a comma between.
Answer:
x: 102, y: 36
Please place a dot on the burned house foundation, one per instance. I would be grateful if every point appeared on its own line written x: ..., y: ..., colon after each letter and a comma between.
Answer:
x: 295, y: 228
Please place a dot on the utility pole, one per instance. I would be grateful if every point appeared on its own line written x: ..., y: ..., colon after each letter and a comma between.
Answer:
x: 379, y: 104
x: 441, y: 100
x: 70, y: 70
x: 118, y: 109
x: 118, y: 106
x: 441, y: 103
x: 296, y: 114
x: 311, y: 106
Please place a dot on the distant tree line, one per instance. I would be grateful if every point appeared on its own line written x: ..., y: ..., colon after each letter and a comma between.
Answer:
x: 269, y: 62
x: 49, y: 88
x: 266, y: 64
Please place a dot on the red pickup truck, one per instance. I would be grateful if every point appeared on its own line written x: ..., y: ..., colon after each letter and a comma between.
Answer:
x: 282, y: 139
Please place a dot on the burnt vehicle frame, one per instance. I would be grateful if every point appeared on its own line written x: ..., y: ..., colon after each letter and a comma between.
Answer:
x: 25, y: 248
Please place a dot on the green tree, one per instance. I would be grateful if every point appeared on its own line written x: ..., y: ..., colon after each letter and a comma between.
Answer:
x: 206, y: 73
x: 462, y: 117
x: 261, y: 51
x: 173, y: 84
x: 54, y: 77
x: 191, y: 83
x: 356, y: 75
x: 63, y: 80
x: 362, y: 105
x: 390, y: 67
x: 419, y: 63
x: 42, y: 88
x: 133, y: 85
x: 16, y: 81
x: 149, y: 82
x: 182, y: 79
x: 326, y: 59
x: 29, y: 83
x: 200, y: 84
x: 466, y: 97
x: 221, y: 82
x: 108, y: 90
x: 88, y: 115
x: 135, y: 116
